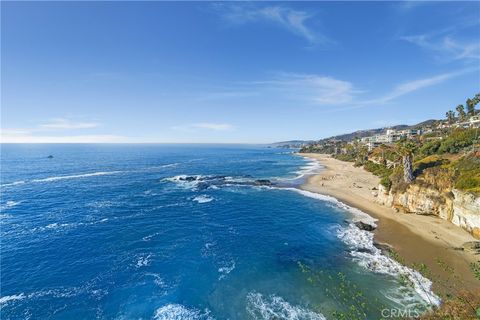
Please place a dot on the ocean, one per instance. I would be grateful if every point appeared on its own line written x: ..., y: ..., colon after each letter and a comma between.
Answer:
x: 185, y: 232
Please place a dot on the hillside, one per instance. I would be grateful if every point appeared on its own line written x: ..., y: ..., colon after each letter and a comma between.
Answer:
x: 347, y: 137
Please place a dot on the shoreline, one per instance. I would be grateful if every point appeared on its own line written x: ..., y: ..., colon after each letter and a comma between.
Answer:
x: 416, y: 239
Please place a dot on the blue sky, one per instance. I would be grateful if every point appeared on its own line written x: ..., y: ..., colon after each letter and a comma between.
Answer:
x: 231, y: 71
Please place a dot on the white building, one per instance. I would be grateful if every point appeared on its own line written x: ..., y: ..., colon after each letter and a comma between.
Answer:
x: 390, y: 136
x: 472, y: 122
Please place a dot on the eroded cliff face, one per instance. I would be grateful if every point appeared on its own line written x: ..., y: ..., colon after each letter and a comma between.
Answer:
x: 466, y: 212
x: 432, y: 193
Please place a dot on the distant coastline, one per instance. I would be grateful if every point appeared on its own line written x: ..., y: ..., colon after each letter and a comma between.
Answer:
x: 417, y: 239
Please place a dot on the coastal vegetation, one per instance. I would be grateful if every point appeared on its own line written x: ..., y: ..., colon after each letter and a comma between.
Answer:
x: 447, y: 148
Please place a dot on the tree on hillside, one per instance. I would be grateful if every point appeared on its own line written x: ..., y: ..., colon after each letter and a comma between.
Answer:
x: 471, y: 103
x: 405, y: 149
x: 470, y: 107
x: 476, y: 99
x: 450, y: 115
x: 461, y: 112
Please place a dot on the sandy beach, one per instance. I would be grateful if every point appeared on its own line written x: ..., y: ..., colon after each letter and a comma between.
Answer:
x: 415, y: 238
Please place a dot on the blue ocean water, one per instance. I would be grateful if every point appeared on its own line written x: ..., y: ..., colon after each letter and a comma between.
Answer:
x: 181, y: 232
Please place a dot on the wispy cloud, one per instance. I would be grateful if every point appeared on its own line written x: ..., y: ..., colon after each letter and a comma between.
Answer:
x: 205, y: 126
x: 328, y: 91
x: 450, y: 43
x: 295, y: 21
x: 67, y: 124
x: 317, y: 89
x: 447, y: 47
x: 322, y: 90
x: 414, y: 85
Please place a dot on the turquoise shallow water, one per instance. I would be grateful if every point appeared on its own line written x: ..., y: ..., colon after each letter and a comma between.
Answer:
x: 181, y: 232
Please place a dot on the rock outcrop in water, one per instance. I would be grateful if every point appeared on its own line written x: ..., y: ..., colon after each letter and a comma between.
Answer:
x: 263, y: 182
x: 364, y: 226
x: 204, y: 182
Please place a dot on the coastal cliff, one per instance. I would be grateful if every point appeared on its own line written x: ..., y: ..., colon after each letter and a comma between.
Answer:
x: 433, y: 193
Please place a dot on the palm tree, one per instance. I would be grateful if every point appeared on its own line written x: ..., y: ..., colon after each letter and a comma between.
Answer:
x: 461, y: 112
x: 476, y: 99
x: 471, y: 103
x: 406, y: 149
x: 450, y: 115
x: 470, y: 107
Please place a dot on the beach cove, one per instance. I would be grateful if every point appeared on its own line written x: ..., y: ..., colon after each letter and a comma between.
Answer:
x: 415, y: 239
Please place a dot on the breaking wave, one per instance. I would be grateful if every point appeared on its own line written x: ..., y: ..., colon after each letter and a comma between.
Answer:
x: 76, y: 176
x: 179, y: 312
x: 226, y: 269
x: 62, y: 226
x: 143, y: 261
x: 364, y: 252
x: 202, y: 199
x: 57, y: 178
x: 274, y: 307
x: 9, y: 204
x: 202, y: 182
x: 7, y: 299
x: 358, y: 215
x: 55, y: 293
x: 313, y: 166
x: 13, y: 183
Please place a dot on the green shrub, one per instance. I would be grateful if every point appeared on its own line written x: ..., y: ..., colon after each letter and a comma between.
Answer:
x: 386, y: 182
x: 377, y: 169
x: 430, y: 148
x: 428, y: 162
x: 458, y: 140
x: 467, y: 182
x: 468, y: 174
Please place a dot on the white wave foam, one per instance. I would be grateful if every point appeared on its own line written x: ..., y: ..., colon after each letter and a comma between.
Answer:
x: 57, y: 178
x: 203, y: 199
x: 358, y: 215
x: 229, y: 267
x: 179, y: 312
x: 56, y: 225
x: 313, y: 166
x: 150, y: 236
x: 76, y: 176
x: 144, y: 261
x: 14, y: 297
x: 13, y: 183
x: 187, y: 182
x: 274, y: 307
x: 157, y: 279
x: 170, y: 165
x: 9, y: 204
x: 371, y: 258
x: 60, y: 226
x: 55, y: 293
